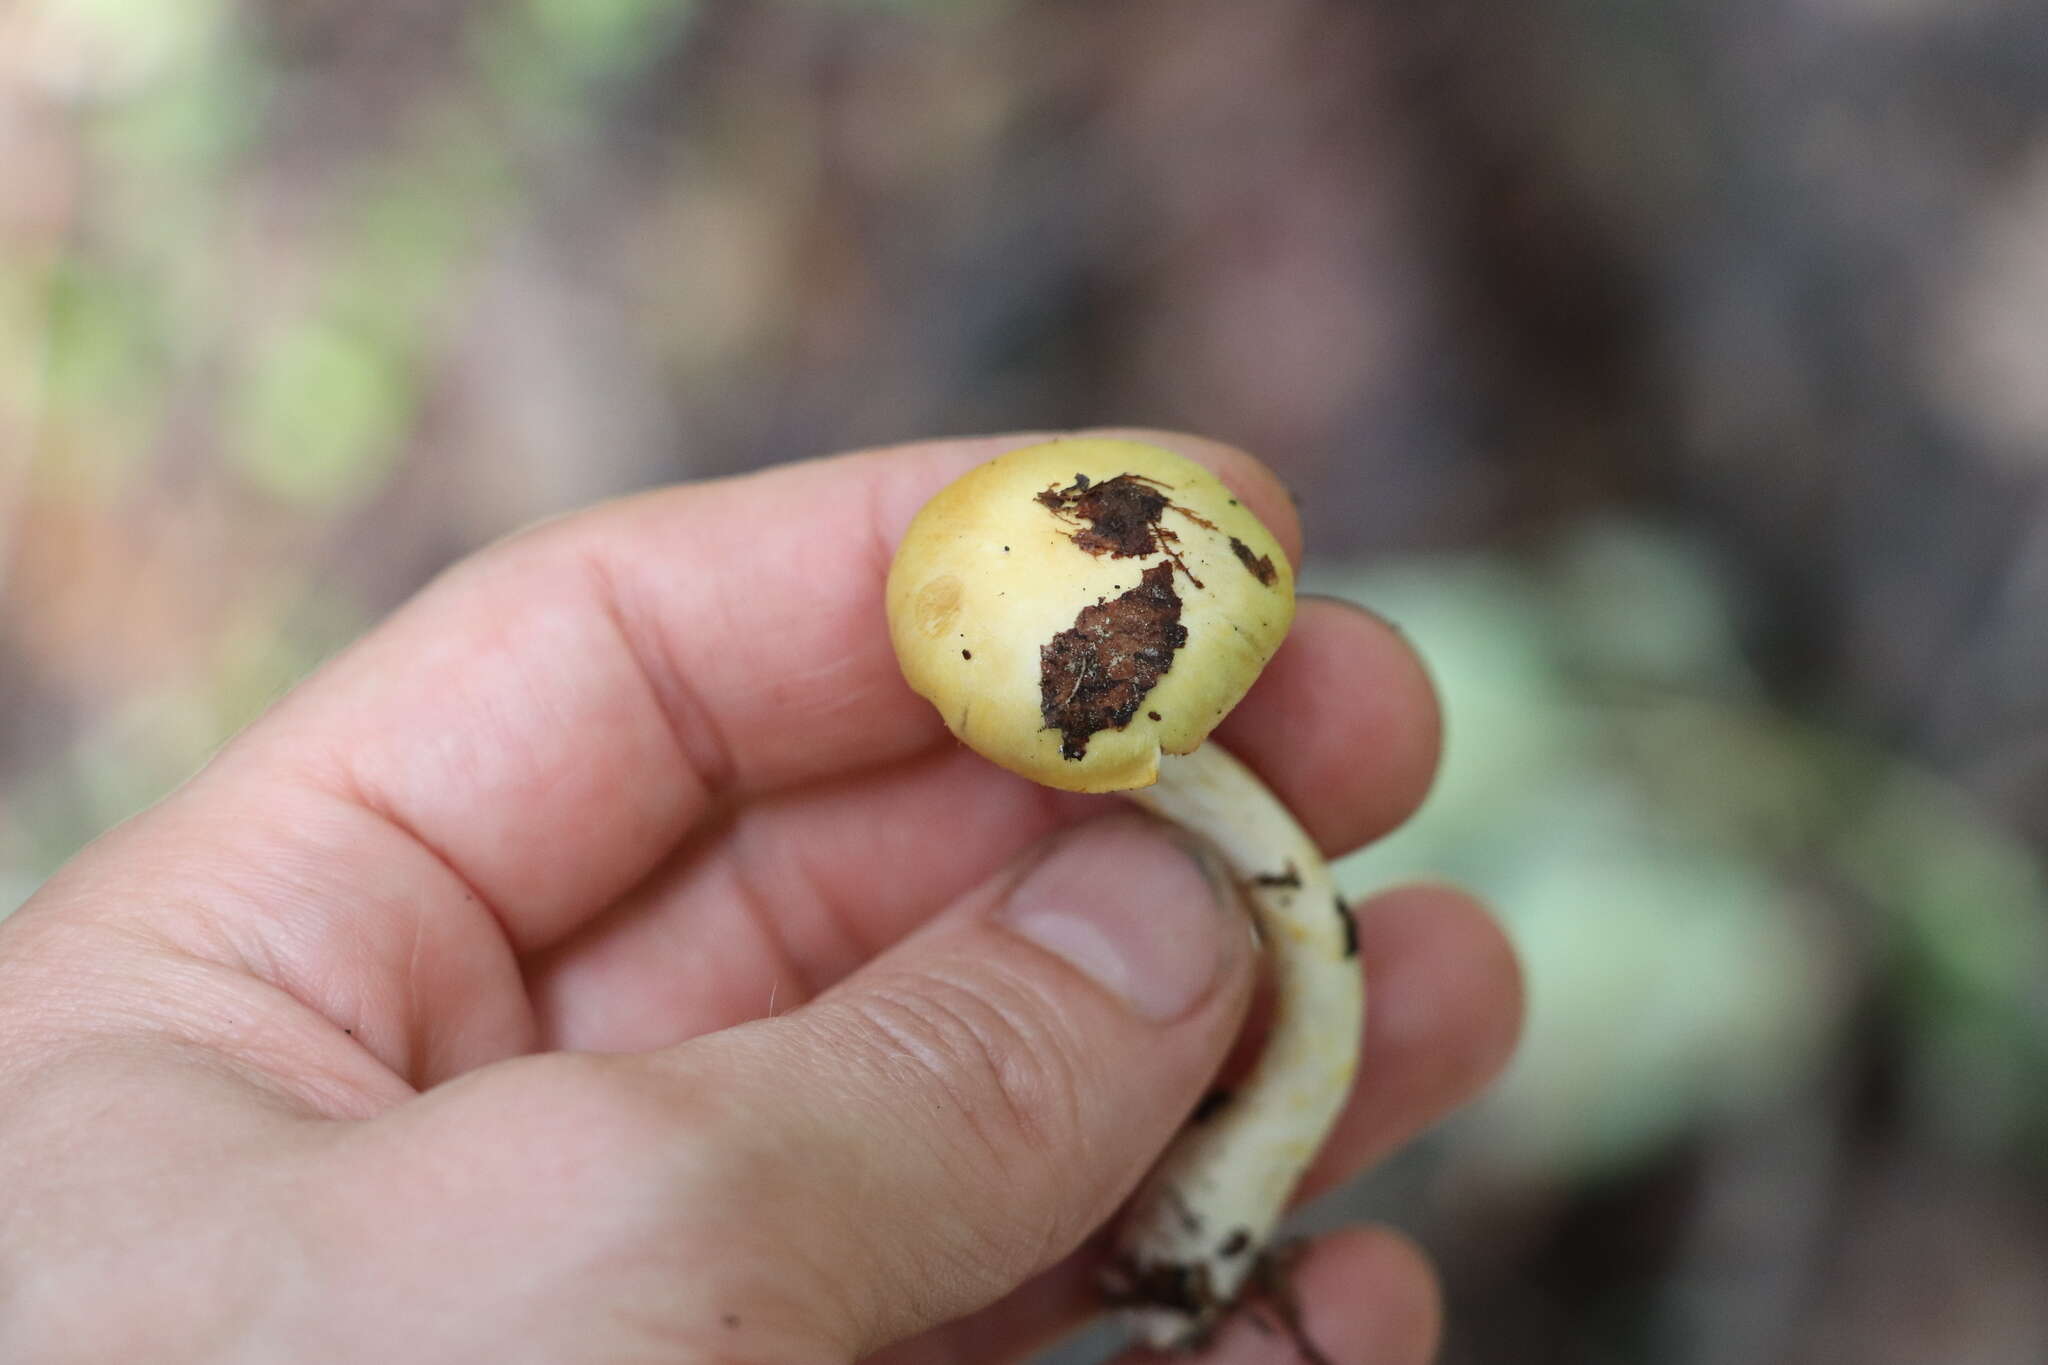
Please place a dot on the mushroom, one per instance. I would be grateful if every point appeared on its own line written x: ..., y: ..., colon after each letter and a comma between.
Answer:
x: 1084, y: 612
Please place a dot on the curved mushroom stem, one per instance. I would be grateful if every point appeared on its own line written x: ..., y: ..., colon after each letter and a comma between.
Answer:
x: 1199, y: 1225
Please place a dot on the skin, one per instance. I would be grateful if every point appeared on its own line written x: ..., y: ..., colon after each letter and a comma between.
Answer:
x: 592, y: 964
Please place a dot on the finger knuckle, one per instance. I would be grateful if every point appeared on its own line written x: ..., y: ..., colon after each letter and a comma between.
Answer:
x: 996, y: 1055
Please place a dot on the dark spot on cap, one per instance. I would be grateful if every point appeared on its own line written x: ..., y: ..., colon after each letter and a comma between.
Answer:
x: 1122, y: 516
x: 1122, y: 513
x: 1350, y: 928
x: 1290, y: 877
x: 1261, y: 566
x: 732, y: 1319
x: 1211, y: 1104
x: 1236, y: 1243
x: 1092, y: 677
x: 1152, y: 715
x: 966, y: 653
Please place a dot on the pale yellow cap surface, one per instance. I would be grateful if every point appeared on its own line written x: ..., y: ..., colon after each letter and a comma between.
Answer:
x: 989, y: 574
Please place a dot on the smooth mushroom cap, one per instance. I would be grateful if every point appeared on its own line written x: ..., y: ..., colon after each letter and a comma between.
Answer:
x: 1043, y: 622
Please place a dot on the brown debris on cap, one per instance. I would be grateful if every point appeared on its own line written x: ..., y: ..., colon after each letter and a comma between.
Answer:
x: 1122, y: 514
x: 1092, y: 677
x: 1261, y: 566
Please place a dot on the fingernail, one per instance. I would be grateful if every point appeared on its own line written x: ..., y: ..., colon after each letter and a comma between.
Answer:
x: 1135, y: 909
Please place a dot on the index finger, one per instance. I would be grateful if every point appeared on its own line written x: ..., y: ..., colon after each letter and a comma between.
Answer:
x: 554, y: 715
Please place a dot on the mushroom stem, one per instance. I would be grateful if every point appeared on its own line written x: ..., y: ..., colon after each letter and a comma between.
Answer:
x: 1199, y: 1225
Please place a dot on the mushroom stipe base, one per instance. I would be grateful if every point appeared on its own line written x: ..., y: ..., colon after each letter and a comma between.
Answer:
x: 1268, y: 1290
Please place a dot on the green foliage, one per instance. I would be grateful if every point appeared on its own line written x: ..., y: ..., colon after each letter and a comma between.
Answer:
x: 105, y: 349
x: 1969, y: 953
x: 544, y: 57
x: 320, y: 419
x: 1653, y: 832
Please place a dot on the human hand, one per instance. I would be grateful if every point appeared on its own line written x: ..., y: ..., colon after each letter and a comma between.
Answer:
x: 610, y: 959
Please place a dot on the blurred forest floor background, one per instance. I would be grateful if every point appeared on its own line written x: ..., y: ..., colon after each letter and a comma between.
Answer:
x: 1676, y: 373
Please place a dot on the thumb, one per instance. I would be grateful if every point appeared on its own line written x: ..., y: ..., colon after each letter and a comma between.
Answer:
x: 963, y: 1111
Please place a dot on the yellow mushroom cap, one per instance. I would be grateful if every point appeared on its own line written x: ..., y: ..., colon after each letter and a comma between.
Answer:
x: 1036, y: 602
